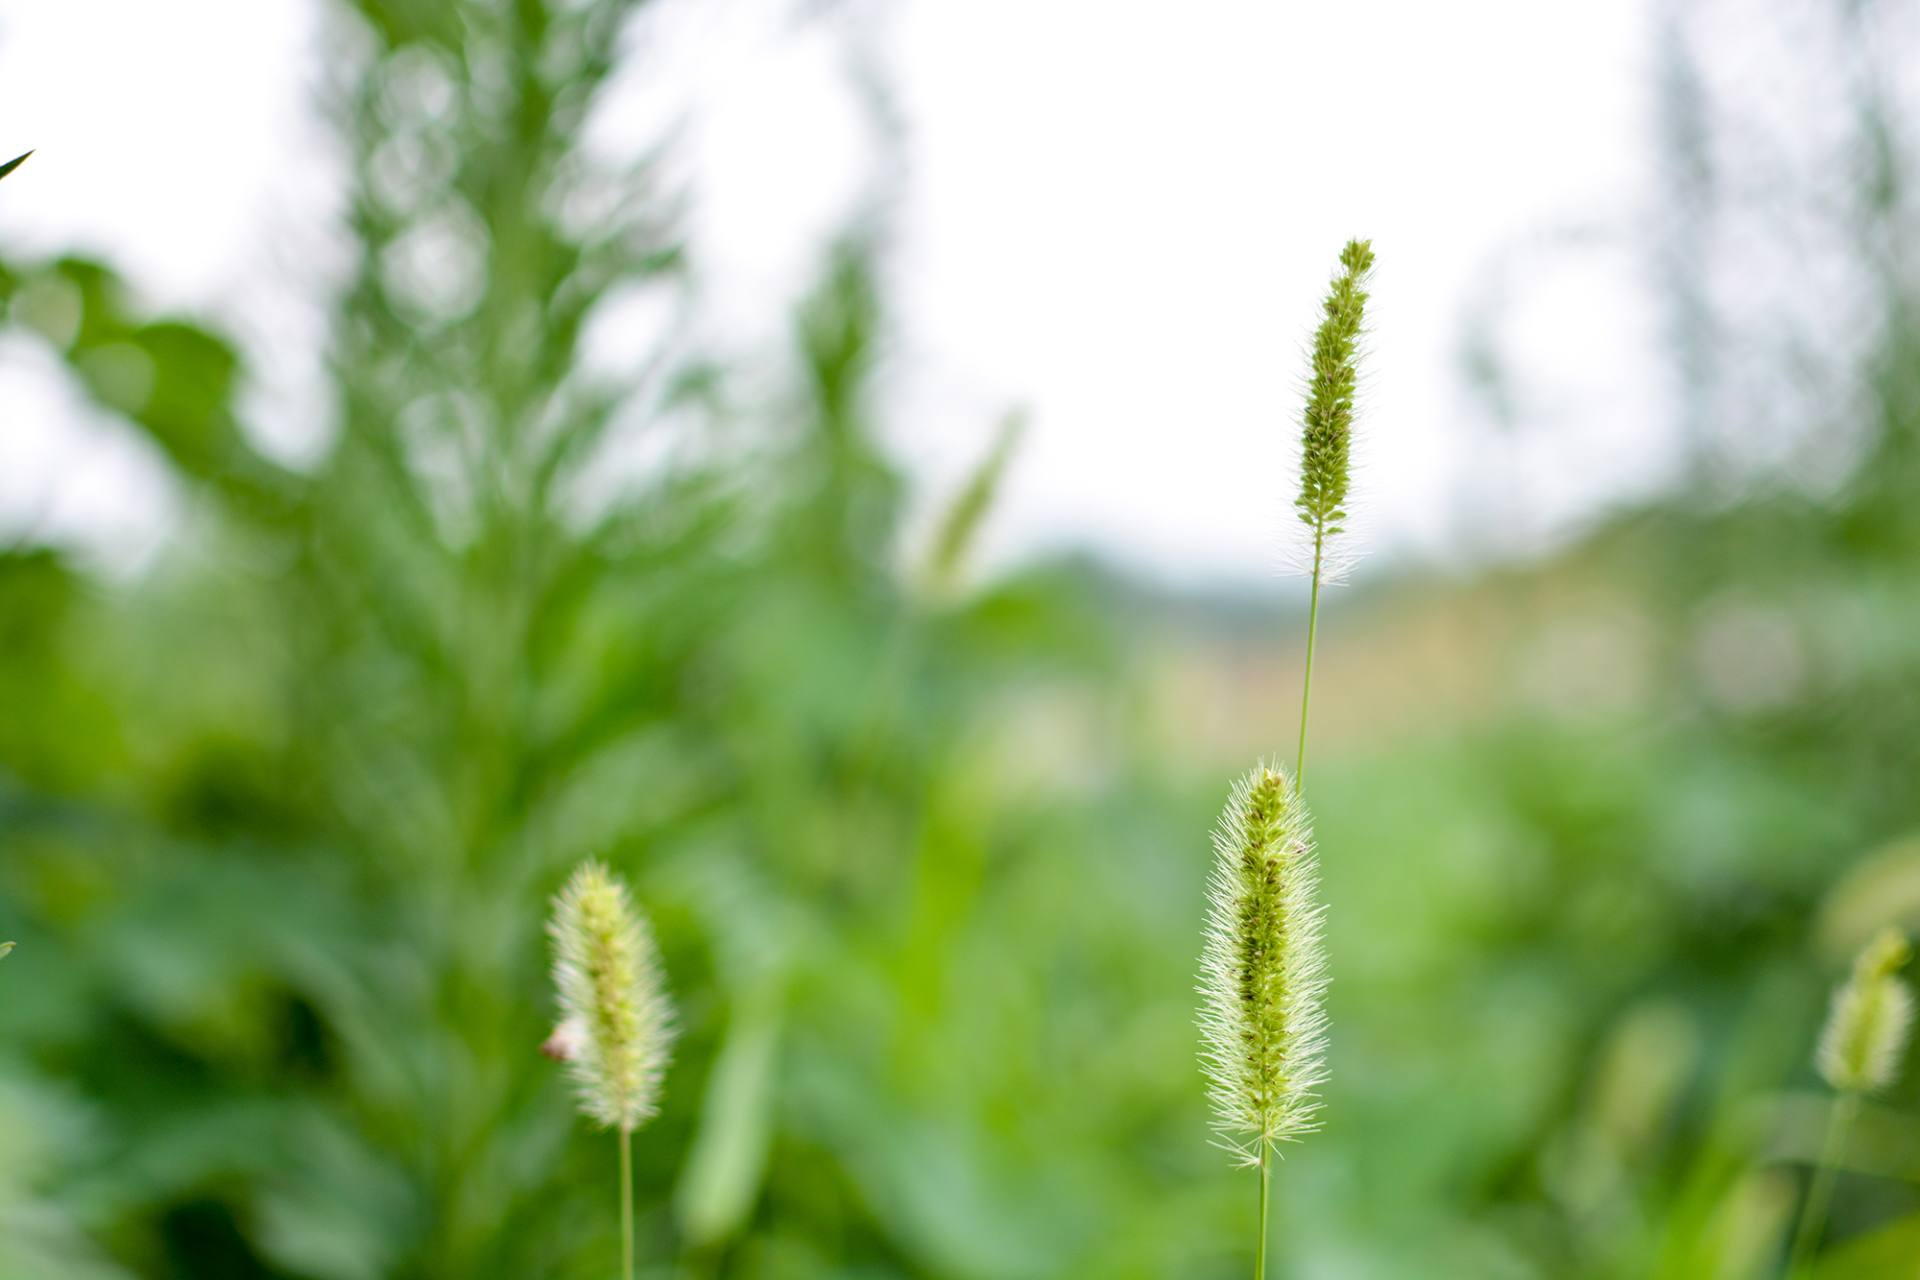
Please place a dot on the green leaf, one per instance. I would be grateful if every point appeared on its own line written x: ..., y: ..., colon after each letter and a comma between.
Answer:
x: 13, y: 164
x: 728, y: 1162
x: 1882, y: 1252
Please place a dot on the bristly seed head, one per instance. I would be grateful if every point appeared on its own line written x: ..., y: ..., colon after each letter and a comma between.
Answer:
x: 1263, y: 971
x: 616, y: 1020
x: 1326, y: 435
x: 1866, y: 1031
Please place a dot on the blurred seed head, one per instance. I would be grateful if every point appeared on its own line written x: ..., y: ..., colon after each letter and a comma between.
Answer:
x: 1263, y: 969
x: 1747, y: 1229
x: 1881, y: 890
x: 616, y: 1020
x: 1642, y: 1070
x: 959, y: 529
x: 1866, y: 1032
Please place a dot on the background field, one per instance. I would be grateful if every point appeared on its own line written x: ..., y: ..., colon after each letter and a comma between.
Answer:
x: 1603, y: 813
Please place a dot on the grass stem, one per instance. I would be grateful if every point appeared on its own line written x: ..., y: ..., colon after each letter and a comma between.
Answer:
x: 1266, y: 1182
x: 1299, y: 781
x: 1306, y: 690
x: 1813, y: 1213
x: 626, y: 1204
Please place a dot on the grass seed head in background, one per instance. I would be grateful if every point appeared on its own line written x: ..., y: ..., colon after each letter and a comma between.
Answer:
x: 1859, y: 1053
x: 1263, y: 971
x: 1866, y: 1032
x: 1326, y: 435
x: 617, y: 1022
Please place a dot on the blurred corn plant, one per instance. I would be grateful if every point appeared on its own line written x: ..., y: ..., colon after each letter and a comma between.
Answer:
x: 346, y: 715
x: 275, y: 813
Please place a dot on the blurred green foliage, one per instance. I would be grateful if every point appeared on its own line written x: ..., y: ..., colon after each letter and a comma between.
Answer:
x: 278, y: 819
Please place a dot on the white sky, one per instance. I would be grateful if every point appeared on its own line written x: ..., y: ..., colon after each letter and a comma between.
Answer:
x: 1120, y: 216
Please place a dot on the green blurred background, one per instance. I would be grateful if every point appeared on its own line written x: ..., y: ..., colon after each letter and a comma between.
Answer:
x: 1601, y: 819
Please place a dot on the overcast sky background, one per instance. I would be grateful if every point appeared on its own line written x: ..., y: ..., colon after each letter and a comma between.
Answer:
x: 1118, y: 216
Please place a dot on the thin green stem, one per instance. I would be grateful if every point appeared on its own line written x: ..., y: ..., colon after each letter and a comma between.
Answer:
x: 1299, y: 781
x: 1306, y: 690
x: 1813, y: 1213
x: 1266, y: 1180
x: 626, y: 1203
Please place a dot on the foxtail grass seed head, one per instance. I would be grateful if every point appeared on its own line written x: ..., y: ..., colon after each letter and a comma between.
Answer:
x: 616, y: 1020
x: 1866, y: 1032
x: 1263, y: 970
x: 1326, y: 435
